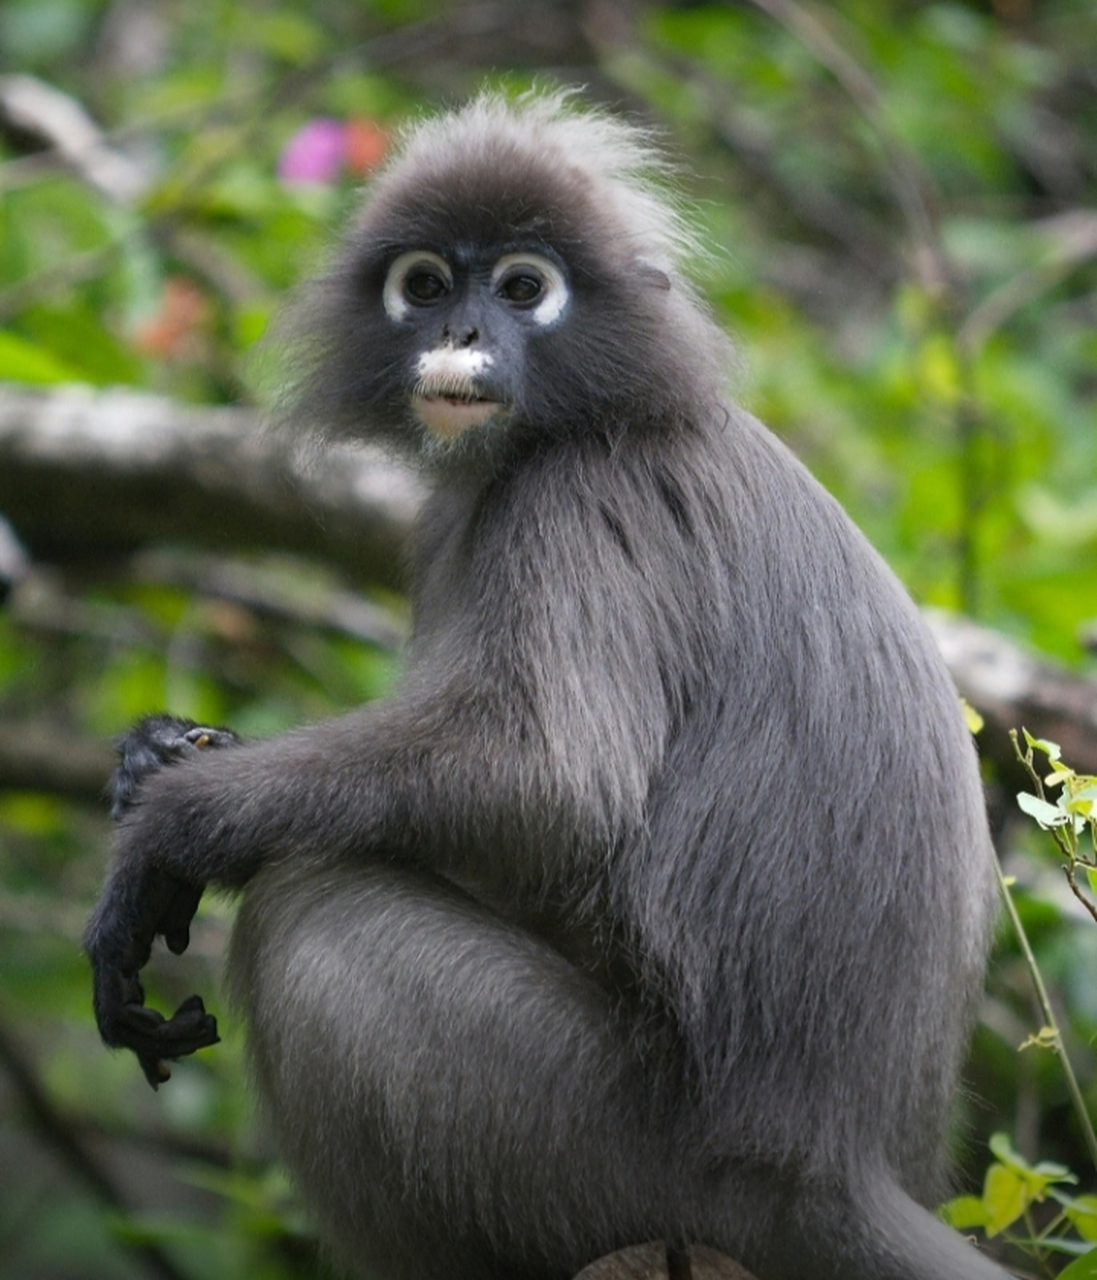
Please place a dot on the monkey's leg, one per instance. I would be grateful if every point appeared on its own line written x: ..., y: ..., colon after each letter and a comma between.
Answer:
x: 454, y: 1097
x: 459, y: 1101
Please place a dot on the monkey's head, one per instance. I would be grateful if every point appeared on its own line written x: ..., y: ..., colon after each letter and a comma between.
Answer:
x: 513, y: 277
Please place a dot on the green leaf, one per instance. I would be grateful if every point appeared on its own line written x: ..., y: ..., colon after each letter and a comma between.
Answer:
x: 1005, y: 1198
x: 1082, y: 1212
x: 1012, y: 1184
x: 1085, y: 1268
x: 1049, y: 1171
x: 964, y: 1212
x: 1047, y: 815
x: 23, y: 361
x: 77, y: 336
x: 1050, y: 749
x: 1002, y: 1149
x: 1045, y: 1038
x: 1058, y: 776
x: 1082, y: 801
x: 972, y: 718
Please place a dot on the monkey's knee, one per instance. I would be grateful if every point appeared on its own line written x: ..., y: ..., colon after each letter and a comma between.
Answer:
x: 376, y: 969
x: 313, y: 950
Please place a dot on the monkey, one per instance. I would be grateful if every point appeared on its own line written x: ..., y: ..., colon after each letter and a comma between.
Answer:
x: 655, y: 902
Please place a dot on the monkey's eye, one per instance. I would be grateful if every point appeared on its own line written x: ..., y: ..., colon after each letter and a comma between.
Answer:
x: 521, y: 288
x: 416, y: 279
x: 531, y: 282
x: 424, y: 286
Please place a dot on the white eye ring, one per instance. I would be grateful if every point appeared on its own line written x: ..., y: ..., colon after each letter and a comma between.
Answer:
x: 396, y: 305
x: 555, y: 296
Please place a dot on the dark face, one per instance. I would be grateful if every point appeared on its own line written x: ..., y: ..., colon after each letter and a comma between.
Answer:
x: 482, y: 310
x: 464, y: 320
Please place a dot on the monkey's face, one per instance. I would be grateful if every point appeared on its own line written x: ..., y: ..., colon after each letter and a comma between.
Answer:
x: 484, y: 305
x: 465, y: 319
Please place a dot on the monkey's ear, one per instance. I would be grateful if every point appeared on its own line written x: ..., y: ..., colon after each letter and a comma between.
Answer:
x: 651, y: 275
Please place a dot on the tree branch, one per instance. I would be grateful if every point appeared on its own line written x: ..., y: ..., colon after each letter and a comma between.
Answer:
x: 1010, y: 688
x: 86, y: 474
x: 35, y: 756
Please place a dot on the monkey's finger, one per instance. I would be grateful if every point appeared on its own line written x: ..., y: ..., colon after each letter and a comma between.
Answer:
x: 203, y: 736
x: 174, y: 924
x: 156, y: 1070
x: 114, y: 993
x: 155, y: 1039
x: 136, y: 1027
x: 189, y: 1029
x: 153, y: 898
x: 166, y: 906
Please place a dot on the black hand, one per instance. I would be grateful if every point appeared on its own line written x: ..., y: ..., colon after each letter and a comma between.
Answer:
x: 138, y: 903
x: 151, y: 744
x: 132, y: 911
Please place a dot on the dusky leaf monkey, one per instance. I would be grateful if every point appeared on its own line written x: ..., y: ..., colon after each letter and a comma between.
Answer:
x: 656, y: 902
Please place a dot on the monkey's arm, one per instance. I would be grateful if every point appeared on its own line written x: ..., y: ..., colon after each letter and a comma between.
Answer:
x: 436, y: 777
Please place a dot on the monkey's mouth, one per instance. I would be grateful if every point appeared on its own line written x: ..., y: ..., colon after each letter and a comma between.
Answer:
x: 448, y: 415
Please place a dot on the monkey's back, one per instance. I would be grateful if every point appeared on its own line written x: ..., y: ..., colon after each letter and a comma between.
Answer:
x: 817, y: 863
x: 792, y: 827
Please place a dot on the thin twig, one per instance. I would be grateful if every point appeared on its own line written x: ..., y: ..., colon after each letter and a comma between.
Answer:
x: 1073, y: 245
x: 1048, y: 1014
x: 1068, y: 871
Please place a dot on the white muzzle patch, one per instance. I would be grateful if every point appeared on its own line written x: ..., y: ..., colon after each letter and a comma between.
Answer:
x: 444, y: 397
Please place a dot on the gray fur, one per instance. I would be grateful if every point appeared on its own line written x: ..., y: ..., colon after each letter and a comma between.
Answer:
x: 656, y: 903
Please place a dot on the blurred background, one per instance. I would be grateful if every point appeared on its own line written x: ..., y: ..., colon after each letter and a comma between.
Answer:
x: 899, y: 200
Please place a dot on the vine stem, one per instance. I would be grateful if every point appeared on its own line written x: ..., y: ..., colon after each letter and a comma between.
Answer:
x: 1049, y: 1015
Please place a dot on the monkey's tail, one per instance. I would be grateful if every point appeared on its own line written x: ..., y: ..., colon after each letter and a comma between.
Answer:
x: 880, y: 1234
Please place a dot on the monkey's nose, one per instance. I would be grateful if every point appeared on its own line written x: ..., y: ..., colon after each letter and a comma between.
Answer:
x: 462, y: 335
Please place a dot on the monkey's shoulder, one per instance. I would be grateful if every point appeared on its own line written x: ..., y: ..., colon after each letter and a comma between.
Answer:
x: 719, y: 508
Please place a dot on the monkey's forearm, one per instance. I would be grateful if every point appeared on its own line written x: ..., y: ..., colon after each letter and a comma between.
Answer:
x: 348, y: 787
x: 451, y: 786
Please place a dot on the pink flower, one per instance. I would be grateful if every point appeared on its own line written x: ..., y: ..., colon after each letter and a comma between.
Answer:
x: 315, y: 154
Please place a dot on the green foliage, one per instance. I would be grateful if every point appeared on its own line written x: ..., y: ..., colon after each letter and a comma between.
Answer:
x: 1012, y: 1188
x: 874, y: 397
x: 1071, y: 816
